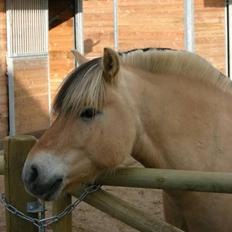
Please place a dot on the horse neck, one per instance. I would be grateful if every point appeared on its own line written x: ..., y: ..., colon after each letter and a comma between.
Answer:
x: 145, y: 93
x: 169, y: 114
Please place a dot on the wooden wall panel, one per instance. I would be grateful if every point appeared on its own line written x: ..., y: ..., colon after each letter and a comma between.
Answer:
x: 151, y: 23
x: 61, y: 41
x: 31, y: 94
x: 210, y: 31
x: 98, y: 26
x: 3, y: 78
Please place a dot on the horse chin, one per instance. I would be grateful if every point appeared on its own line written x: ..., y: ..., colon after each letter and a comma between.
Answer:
x: 47, y: 196
x: 51, y: 197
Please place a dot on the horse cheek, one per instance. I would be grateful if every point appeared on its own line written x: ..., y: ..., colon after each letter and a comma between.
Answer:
x: 114, y: 146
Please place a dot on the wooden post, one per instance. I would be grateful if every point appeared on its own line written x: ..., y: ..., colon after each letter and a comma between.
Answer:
x: 65, y: 224
x: 125, y: 212
x: 1, y: 163
x: 15, y: 152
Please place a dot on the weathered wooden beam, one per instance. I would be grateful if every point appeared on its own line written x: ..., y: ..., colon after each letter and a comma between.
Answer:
x: 65, y: 224
x: 125, y: 212
x: 15, y: 152
x: 1, y: 163
x: 217, y: 182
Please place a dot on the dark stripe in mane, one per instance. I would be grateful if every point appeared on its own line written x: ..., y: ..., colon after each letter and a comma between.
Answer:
x: 145, y: 50
x: 72, y: 79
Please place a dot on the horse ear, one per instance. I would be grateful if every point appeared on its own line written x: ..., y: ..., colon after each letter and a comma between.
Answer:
x: 78, y: 57
x: 111, y: 64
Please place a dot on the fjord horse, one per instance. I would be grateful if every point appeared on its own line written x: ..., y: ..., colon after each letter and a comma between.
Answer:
x: 168, y: 109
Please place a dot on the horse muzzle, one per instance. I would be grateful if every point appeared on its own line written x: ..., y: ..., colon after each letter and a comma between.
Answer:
x: 43, y: 179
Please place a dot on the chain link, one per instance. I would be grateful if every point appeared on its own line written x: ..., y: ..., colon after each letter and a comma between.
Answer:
x: 45, y: 222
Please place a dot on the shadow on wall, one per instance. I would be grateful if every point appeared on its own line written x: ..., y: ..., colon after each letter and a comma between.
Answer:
x: 214, y: 3
x: 89, y: 44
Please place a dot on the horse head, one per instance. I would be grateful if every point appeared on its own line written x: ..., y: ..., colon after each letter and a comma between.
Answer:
x: 93, y: 130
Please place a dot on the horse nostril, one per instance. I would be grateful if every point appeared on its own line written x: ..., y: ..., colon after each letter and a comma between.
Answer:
x: 34, y: 174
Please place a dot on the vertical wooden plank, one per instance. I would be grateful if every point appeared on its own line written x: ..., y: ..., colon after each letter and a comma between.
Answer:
x: 30, y: 90
x: 162, y: 24
x: 65, y: 224
x: 15, y: 153
x: 98, y: 26
x: 210, y: 31
x: 3, y: 78
x: 61, y: 41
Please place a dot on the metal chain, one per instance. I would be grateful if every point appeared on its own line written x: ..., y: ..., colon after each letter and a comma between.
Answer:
x: 45, y: 222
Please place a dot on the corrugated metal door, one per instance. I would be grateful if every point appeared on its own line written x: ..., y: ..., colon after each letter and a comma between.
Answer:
x: 27, y: 27
x: 28, y: 80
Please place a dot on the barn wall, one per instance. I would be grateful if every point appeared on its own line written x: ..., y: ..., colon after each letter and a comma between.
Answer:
x: 31, y: 94
x: 61, y: 41
x: 151, y: 23
x: 3, y: 78
x: 98, y: 26
x: 155, y: 23
x: 210, y: 31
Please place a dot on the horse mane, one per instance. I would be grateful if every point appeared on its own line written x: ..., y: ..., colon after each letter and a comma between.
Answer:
x: 85, y: 85
x: 176, y: 62
x: 81, y: 90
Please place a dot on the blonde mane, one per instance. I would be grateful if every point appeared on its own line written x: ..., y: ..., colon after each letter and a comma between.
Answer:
x: 174, y: 62
x: 85, y: 86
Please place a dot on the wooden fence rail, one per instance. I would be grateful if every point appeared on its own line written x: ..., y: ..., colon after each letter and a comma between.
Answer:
x: 125, y: 212
x: 217, y: 182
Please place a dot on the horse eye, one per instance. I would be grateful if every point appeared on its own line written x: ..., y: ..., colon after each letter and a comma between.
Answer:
x: 88, y: 113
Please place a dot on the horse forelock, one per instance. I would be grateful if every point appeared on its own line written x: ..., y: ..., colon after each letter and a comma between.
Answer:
x: 83, y: 87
